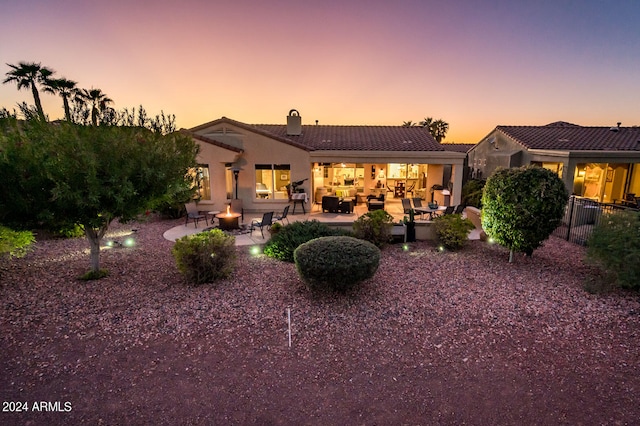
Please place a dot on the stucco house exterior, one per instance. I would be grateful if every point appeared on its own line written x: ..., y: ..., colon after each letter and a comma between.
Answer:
x: 257, y: 163
x: 600, y: 163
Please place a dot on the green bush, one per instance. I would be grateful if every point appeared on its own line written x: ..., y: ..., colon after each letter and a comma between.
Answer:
x: 206, y: 256
x: 336, y: 263
x: 282, y: 244
x: 14, y: 243
x: 374, y: 226
x: 472, y: 193
x: 615, y: 245
x: 452, y: 230
x: 521, y: 207
x: 171, y: 205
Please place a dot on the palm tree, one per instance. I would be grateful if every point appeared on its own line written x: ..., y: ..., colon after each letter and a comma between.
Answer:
x: 408, y: 124
x: 66, y: 89
x: 438, y: 128
x: 98, y: 101
x: 28, y: 75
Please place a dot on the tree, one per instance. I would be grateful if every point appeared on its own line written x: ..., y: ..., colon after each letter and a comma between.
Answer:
x: 98, y: 100
x: 69, y: 174
x: 521, y: 207
x: 66, y: 89
x: 408, y: 124
x: 438, y: 128
x: 29, y: 75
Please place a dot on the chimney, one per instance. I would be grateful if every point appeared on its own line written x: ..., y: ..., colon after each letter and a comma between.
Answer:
x: 616, y: 128
x: 294, y: 123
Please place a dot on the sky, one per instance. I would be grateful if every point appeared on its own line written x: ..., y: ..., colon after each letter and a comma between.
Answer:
x: 476, y: 64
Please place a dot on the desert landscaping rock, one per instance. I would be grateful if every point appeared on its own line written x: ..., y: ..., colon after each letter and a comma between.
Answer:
x: 433, y: 338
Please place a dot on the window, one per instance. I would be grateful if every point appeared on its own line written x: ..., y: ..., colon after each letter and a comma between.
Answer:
x: 200, y: 179
x: 272, y: 181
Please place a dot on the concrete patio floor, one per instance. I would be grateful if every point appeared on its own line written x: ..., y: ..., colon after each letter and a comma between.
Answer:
x: 313, y: 212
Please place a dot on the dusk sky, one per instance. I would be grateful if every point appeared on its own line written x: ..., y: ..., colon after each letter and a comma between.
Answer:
x: 475, y: 64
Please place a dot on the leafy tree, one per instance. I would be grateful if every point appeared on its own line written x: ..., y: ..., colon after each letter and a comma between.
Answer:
x: 615, y: 244
x: 98, y: 100
x: 522, y: 207
x: 69, y: 174
x: 66, y: 89
x: 27, y: 75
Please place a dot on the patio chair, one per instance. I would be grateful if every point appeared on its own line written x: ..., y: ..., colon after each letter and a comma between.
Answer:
x: 406, y: 205
x: 194, y: 214
x: 330, y: 204
x: 459, y: 209
x: 283, y: 215
x: 267, y: 220
x: 448, y: 210
x: 418, y: 207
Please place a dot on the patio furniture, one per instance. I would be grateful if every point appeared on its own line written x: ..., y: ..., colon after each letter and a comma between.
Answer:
x: 406, y: 205
x: 330, y: 203
x: 228, y: 221
x: 299, y: 198
x: 459, y: 209
x: 346, y: 205
x: 283, y: 215
x: 419, y: 208
x: 375, y: 203
x: 449, y: 210
x: 194, y: 214
x: 267, y: 220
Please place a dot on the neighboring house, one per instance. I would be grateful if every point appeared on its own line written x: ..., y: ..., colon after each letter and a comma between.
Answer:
x: 601, y: 163
x: 268, y: 158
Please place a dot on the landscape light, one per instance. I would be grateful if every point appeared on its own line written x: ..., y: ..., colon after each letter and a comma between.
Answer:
x: 129, y: 242
x: 405, y: 247
x: 255, y: 250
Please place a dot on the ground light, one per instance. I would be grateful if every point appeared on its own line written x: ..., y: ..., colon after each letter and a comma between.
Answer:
x: 405, y: 247
x: 255, y: 250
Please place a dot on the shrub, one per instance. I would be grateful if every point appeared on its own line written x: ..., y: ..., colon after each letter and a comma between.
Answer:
x: 452, y: 230
x: 336, y: 263
x: 14, y: 243
x: 615, y: 245
x: 521, y: 207
x: 472, y: 193
x: 282, y: 244
x: 374, y: 226
x: 206, y: 256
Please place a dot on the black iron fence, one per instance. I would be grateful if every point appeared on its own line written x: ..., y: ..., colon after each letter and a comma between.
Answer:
x: 580, y: 217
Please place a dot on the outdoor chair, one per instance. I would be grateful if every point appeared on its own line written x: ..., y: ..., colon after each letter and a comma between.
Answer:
x: 449, y: 210
x: 330, y: 204
x: 194, y: 214
x: 406, y: 205
x: 283, y: 215
x: 267, y: 220
x: 459, y: 209
x: 418, y: 207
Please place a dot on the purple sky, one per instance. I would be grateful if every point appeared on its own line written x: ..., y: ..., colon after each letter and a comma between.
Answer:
x: 475, y: 64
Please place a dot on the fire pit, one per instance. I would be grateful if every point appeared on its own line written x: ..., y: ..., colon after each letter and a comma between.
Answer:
x: 228, y: 220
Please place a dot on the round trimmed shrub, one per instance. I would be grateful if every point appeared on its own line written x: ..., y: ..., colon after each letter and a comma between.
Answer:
x: 521, y: 207
x: 282, y: 244
x: 452, y: 230
x: 336, y: 263
x: 205, y: 257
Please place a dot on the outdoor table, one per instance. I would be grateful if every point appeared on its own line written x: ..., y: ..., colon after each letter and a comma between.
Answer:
x: 429, y: 211
x: 213, y: 214
x: 299, y: 198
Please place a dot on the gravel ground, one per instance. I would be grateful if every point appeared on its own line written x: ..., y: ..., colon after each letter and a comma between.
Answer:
x: 434, y: 338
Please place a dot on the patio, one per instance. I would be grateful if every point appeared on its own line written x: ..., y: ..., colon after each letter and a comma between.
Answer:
x: 313, y: 212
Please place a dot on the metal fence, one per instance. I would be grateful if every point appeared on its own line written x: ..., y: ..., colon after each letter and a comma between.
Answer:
x: 581, y: 216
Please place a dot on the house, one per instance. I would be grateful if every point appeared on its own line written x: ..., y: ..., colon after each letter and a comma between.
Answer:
x: 260, y: 163
x: 601, y: 163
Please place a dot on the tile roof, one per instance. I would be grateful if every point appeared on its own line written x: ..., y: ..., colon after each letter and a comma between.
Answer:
x: 458, y: 147
x: 570, y: 137
x: 370, y: 138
